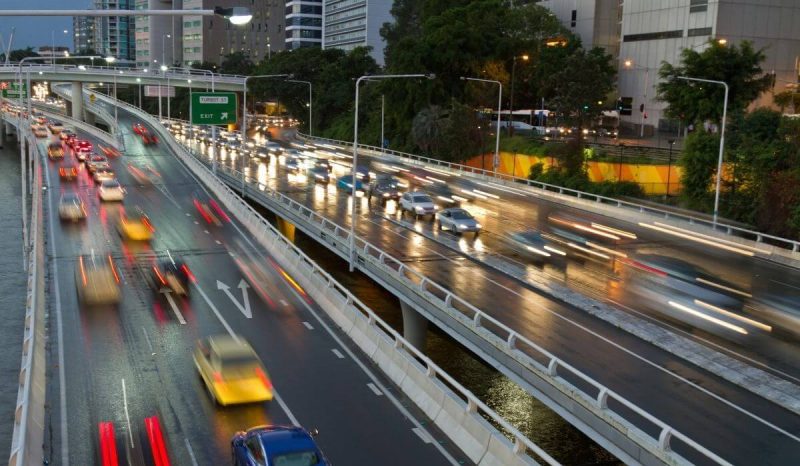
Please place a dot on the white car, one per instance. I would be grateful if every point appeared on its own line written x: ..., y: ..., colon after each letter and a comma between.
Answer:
x: 71, y: 207
x: 111, y: 190
x: 418, y: 203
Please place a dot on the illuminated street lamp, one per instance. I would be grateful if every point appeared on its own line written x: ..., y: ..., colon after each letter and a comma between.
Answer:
x: 511, y: 103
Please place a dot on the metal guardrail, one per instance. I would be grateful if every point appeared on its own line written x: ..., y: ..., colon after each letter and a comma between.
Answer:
x: 27, y: 438
x: 245, y: 213
x: 759, y: 237
x: 495, y: 333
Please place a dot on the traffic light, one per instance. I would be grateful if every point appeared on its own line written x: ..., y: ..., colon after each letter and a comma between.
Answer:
x: 619, y: 104
x: 641, y: 108
x: 586, y: 107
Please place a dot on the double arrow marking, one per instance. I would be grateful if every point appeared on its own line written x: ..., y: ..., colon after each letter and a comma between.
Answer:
x: 245, y: 297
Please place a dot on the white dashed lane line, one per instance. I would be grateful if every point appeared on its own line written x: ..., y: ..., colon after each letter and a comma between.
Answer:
x: 308, y: 326
x: 377, y: 391
x: 338, y: 353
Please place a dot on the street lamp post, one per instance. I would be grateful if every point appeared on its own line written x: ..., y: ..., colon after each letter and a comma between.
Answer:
x: 236, y: 15
x: 721, y: 138
x: 496, y: 161
x: 355, y: 157
x: 383, y: 108
x: 511, y: 102
x: 310, y: 104
x: 244, y: 118
x: 669, y: 166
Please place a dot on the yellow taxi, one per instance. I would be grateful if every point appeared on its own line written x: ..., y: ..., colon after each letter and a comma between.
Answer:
x: 136, y: 227
x: 231, y: 370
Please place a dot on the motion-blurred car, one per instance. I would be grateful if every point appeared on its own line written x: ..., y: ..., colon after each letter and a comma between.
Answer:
x: 533, y: 244
x: 276, y: 445
x: 362, y: 173
x: 138, y: 128
x: 417, y: 203
x: 64, y: 134
x: 71, y: 208
x: 345, y: 183
x: 136, y: 227
x: 97, y: 280
x: 103, y: 174
x: 40, y: 131
x: 148, y: 138
x: 231, y: 370
x: 83, y: 154
x: 55, y: 151
x: 210, y: 210
x: 111, y: 190
x: 55, y: 127
x: 70, y: 139
x: 172, y: 275
x: 384, y: 189
x: 68, y: 171
x: 458, y: 221
x: 96, y: 162
x: 294, y: 164
x: 320, y: 174
x: 324, y: 163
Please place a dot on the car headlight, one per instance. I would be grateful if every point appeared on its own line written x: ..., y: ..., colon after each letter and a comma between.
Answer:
x: 462, y: 227
x: 385, y: 194
x: 478, y: 225
x: 419, y: 209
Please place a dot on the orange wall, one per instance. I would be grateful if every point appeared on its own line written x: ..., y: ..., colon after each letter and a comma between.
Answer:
x: 652, y: 178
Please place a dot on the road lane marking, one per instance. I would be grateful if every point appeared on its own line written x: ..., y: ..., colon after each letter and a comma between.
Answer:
x: 338, y: 353
x: 285, y: 408
x: 218, y: 241
x: 147, y: 338
x: 284, y: 303
x: 245, y: 309
x: 196, y: 222
x: 308, y: 325
x: 127, y: 417
x: 375, y: 389
x: 174, y: 306
x: 191, y: 452
x: 422, y: 435
x: 62, y: 378
x: 216, y: 312
x: 206, y: 232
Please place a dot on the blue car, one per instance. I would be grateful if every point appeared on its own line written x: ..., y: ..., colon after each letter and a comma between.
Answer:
x: 346, y: 183
x: 276, y: 445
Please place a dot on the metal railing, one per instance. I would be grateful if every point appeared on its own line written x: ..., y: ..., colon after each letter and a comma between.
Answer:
x: 752, y: 235
x: 27, y: 438
x: 606, y: 404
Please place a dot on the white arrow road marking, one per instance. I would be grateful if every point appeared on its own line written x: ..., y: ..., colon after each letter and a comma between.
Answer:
x: 174, y: 306
x: 243, y: 286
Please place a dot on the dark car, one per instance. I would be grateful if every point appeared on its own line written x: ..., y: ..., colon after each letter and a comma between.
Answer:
x: 384, y: 189
x: 263, y: 445
x: 320, y: 174
x: 172, y: 275
x: 324, y: 163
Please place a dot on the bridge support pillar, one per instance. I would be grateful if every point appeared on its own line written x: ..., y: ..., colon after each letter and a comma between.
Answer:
x: 77, y: 100
x: 286, y: 228
x: 415, y: 326
x: 2, y: 132
x: 90, y: 118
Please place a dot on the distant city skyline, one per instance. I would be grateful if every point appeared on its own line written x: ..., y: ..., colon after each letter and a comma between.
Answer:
x: 37, y: 31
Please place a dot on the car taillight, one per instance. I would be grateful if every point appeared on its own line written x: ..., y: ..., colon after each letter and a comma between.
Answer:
x: 160, y: 277
x: 188, y: 273
x: 217, y: 377
x: 261, y: 375
x: 113, y: 269
x: 149, y: 225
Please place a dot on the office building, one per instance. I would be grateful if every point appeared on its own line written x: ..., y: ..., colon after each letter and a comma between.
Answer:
x: 348, y: 24
x: 84, y: 37
x: 303, y: 24
x: 210, y: 39
x: 158, y: 38
x: 596, y: 22
x: 114, y: 34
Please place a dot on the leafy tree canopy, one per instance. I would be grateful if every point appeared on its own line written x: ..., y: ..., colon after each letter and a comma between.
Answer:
x: 737, y: 65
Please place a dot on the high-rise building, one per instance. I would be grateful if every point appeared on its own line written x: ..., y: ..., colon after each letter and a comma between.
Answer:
x: 210, y: 39
x: 303, y: 23
x: 84, y: 37
x: 158, y: 38
x: 596, y: 22
x: 114, y: 34
x: 348, y: 24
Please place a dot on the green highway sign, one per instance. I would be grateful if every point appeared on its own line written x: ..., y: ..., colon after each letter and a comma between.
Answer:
x: 11, y: 89
x: 213, y: 108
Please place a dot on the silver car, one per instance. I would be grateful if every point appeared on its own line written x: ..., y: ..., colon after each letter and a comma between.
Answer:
x: 458, y: 221
x: 418, y: 203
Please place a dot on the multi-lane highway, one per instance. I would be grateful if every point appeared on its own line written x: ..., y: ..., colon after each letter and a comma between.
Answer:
x: 124, y: 363
x: 730, y: 420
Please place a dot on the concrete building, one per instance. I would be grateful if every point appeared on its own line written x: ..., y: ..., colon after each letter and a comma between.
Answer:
x: 355, y: 23
x: 596, y: 22
x: 653, y: 32
x: 158, y: 38
x: 114, y: 34
x: 303, y: 24
x: 210, y: 39
x: 84, y: 37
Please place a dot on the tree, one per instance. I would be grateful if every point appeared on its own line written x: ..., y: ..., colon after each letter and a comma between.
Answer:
x: 738, y: 66
x: 19, y: 54
x: 237, y: 63
x: 790, y: 98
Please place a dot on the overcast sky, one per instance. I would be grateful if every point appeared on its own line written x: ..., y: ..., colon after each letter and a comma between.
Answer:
x: 38, y: 31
